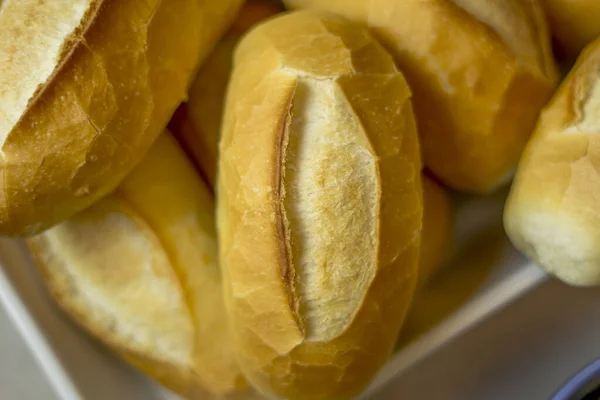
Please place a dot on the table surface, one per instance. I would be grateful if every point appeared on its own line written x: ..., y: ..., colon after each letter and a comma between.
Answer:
x: 20, y: 378
x: 523, y: 352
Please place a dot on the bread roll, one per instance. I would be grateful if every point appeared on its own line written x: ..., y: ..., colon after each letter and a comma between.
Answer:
x: 139, y: 271
x: 85, y: 88
x: 480, y: 71
x: 553, y: 211
x: 574, y: 23
x: 200, y: 129
x: 438, y: 229
x: 438, y: 213
x: 319, y: 206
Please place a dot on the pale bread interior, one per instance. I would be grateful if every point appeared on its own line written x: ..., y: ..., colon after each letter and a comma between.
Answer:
x: 32, y: 37
x: 331, y: 185
x: 566, y: 247
x: 109, y: 269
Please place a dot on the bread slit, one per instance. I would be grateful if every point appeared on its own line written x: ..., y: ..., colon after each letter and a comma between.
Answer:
x: 587, y: 109
x: 330, y: 185
x: 32, y: 42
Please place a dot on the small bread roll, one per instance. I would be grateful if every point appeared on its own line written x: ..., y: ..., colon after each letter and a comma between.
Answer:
x: 480, y: 71
x: 200, y: 130
x: 85, y: 88
x: 553, y: 211
x: 574, y: 23
x: 139, y: 271
x: 319, y: 206
x: 438, y: 229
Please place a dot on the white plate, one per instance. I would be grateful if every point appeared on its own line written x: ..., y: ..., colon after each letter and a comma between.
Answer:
x: 484, y: 275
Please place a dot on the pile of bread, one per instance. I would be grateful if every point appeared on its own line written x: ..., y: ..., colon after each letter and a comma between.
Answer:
x: 269, y: 243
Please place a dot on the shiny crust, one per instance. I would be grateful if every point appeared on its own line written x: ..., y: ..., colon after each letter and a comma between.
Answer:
x: 119, y: 77
x: 269, y: 327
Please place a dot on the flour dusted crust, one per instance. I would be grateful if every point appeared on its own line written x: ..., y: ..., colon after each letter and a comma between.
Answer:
x: 86, y: 86
x: 319, y: 206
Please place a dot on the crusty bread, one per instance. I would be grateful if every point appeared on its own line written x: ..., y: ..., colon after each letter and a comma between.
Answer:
x: 480, y: 71
x: 319, y: 206
x: 205, y: 107
x: 200, y: 126
x: 438, y: 213
x: 86, y: 86
x: 438, y: 229
x: 553, y: 211
x: 107, y: 269
x: 574, y: 23
x: 139, y: 271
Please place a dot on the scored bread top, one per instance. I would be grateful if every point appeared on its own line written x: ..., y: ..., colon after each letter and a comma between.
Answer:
x: 132, y: 274
x: 319, y: 205
x: 85, y: 88
x: 139, y: 270
x: 552, y: 213
x: 109, y: 271
x: 329, y: 188
x: 480, y: 71
x: 33, y: 43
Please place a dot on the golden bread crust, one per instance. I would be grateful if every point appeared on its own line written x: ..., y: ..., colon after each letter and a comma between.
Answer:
x: 552, y: 213
x: 121, y: 75
x: 280, y: 350
x: 479, y: 71
x: 138, y: 270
